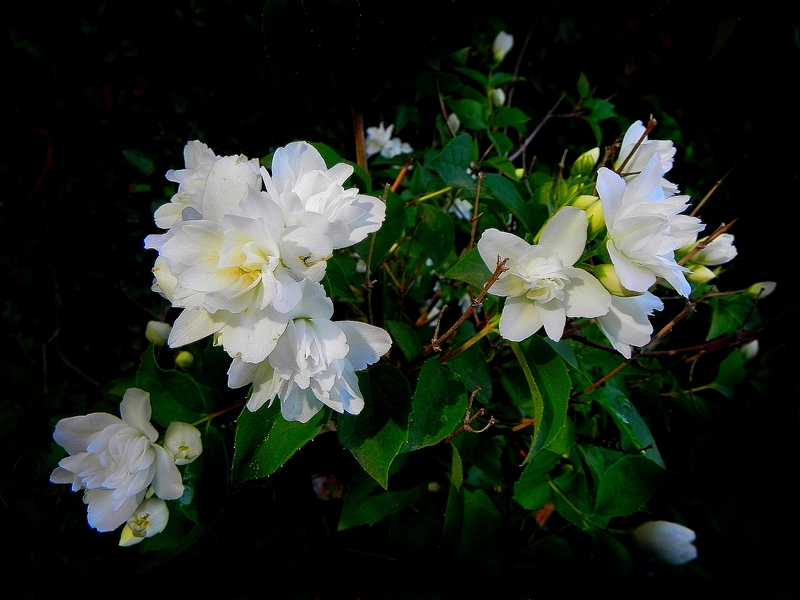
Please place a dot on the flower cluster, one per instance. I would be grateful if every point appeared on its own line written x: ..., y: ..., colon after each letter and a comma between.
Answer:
x: 380, y: 141
x: 244, y: 261
x: 121, y: 467
x: 644, y: 230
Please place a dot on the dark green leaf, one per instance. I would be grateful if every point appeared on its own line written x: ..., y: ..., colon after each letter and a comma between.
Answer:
x: 265, y: 440
x: 437, y: 408
x: 508, y: 117
x: 453, y: 162
x: 405, y: 337
x: 504, y: 190
x: 626, y: 486
x: 471, y: 269
x: 377, y: 434
x: 436, y: 233
x: 730, y: 314
x: 391, y: 230
x: 174, y: 396
x: 366, y: 503
x: 635, y: 434
x: 533, y: 490
x: 471, y: 113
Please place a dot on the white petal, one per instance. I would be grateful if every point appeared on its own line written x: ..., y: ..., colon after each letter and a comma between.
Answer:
x: 520, y: 319
x: 195, y: 324
x: 495, y: 243
x: 167, y: 482
x: 101, y: 514
x: 367, y: 343
x: 553, y: 317
x: 252, y: 335
x: 585, y: 295
x: 136, y: 412
x: 633, y: 277
x: 73, y: 433
x: 566, y: 233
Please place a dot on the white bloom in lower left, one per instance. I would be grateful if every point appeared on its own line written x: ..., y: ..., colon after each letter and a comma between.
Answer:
x: 541, y: 283
x: 116, y: 461
x: 314, y: 362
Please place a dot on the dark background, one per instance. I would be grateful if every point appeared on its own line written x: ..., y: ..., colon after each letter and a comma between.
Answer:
x: 100, y: 97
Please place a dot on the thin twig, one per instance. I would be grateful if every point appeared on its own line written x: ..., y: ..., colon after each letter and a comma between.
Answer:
x: 529, y: 139
x: 475, y: 214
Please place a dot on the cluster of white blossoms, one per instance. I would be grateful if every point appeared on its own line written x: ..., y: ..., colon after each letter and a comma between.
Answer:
x: 380, y: 141
x: 642, y: 216
x: 243, y: 255
x: 126, y: 475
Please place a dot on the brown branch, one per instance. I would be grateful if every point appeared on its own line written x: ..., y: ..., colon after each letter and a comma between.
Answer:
x: 703, y: 243
x: 650, y: 125
x: 436, y: 341
x: 700, y: 204
x: 475, y: 214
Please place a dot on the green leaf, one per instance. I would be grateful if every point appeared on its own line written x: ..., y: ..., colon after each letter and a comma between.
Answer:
x: 453, y: 162
x: 437, y: 408
x: 205, y: 480
x: 508, y: 117
x: 376, y: 435
x: 471, y: 269
x: 635, y: 434
x: 141, y: 161
x: 436, y: 233
x: 502, y: 189
x: 456, y: 469
x: 583, y: 86
x: 730, y: 314
x: 471, y: 113
x: 627, y: 485
x: 174, y: 396
x: 573, y: 501
x: 405, y: 337
x: 366, y: 503
x: 503, y: 165
x: 600, y: 109
x: 475, y: 75
x: 470, y: 364
x: 550, y: 387
x: 533, y: 490
x: 336, y: 283
x: 265, y: 440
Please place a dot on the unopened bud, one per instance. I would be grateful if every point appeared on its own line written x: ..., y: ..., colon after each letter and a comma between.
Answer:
x: 607, y: 275
x: 184, y: 359
x: 183, y: 442
x: 700, y: 273
x: 761, y: 289
x: 498, y: 97
x: 157, y: 332
x: 453, y: 123
x: 749, y: 351
x: 502, y: 45
x: 584, y: 164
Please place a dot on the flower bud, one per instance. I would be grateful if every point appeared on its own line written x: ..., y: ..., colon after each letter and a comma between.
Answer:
x: 157, y: 332
x: 668, y: 542
x: 584, y: 164
x: 453, y: 123
x: 607, y: 275
x: 520, y: 173
x: 498, y: 97
x: 148, y: 519
x: 749, y: 351
x: 182, y: 442
x: 700, y: 273
x: 761, y: 289
x: 184, y: 359
x: 720, y: 250
x: 502, y: 44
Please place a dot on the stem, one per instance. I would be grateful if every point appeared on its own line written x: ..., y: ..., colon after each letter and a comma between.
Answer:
x: 475, y: 214
x: 529, y: 139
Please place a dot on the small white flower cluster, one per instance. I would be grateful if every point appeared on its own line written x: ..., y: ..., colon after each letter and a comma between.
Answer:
x: 644, y: 230
x: 126, y: 475
x: 245, y: 264
x: 380, y: 140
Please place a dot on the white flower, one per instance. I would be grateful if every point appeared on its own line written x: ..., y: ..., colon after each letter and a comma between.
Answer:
x: 719, y: 251
x: 761, y: 289
x: 461, y: 208
x: 645, y: 228
x: 542, y: 286
x: 311, y: 195
x: 237, y: 275
x: 668, y: 542
x: 183, y: 442
x: 204, y: 173
x: 626, y: 324
x: 642, y: 155
x: 749, y: 351
x: 380, y: 140
x: 116, y: 461
x: 502, y: 45
x: 314, y: 362
x: 157, y: 332
x: 147, y: 520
